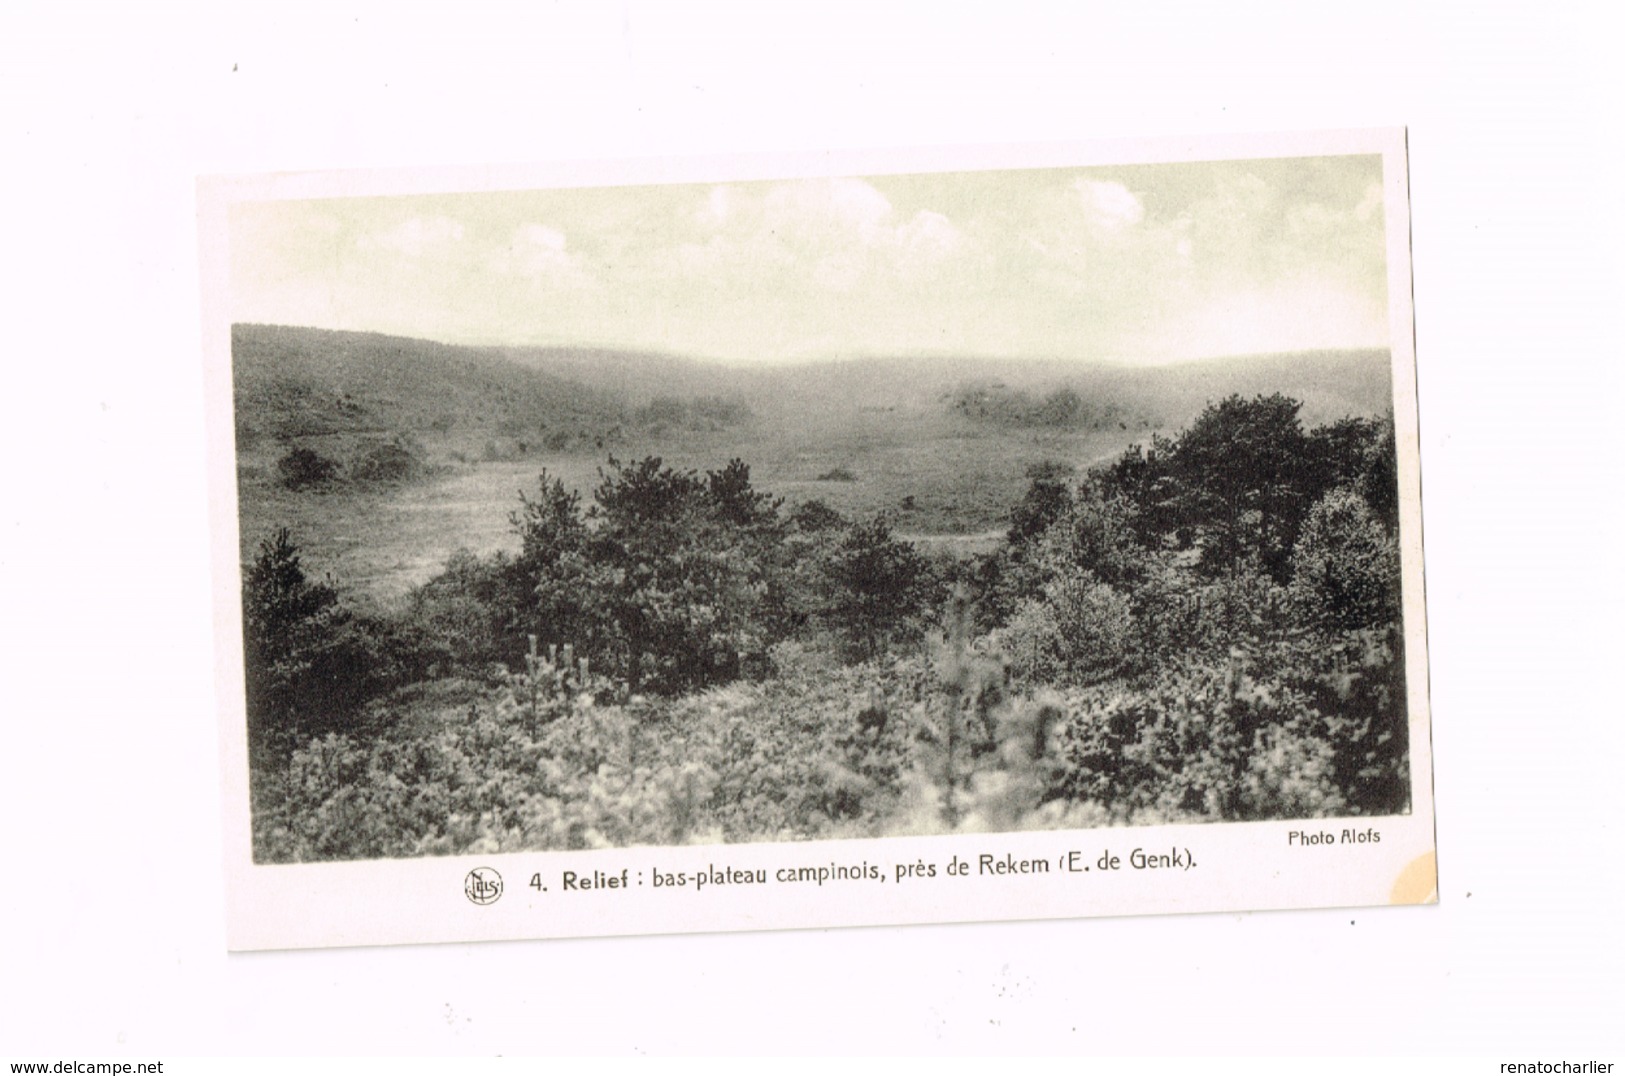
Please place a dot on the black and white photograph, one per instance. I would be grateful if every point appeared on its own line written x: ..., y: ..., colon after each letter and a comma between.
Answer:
x: 822, y: 508
x: 738, y: 530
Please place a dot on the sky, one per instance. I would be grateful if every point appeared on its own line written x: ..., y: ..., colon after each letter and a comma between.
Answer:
x: 1138, y: 264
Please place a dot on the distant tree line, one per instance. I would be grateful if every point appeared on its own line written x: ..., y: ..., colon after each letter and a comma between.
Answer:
x: 703, y: 413
x: 1062, y: 408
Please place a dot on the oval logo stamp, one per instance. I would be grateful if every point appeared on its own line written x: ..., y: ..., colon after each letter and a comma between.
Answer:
x: 483, y: 885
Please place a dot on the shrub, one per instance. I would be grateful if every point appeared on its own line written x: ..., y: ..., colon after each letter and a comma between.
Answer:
x: 814, y: 517
x: 309, y: 663
x: 466, y: 614
x: 302, y: 468
x: 387, y: 462
x: 880, y: 588
x: 1047, y: 498
x: 1081, y: 631
x: 670, y: 581
x: 1345, y: 569
x: 1093, y: 534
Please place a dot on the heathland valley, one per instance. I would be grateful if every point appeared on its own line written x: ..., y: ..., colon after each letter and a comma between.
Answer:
x: 501, y: 599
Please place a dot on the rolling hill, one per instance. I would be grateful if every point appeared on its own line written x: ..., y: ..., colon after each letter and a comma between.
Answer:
x: 468, y: 428
x: 297, y: 382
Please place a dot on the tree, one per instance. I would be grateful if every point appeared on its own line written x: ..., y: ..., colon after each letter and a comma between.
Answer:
x: 1345, y: 570
x: 1063, y: 407
x: 1048, y: 496
x: 1081, y: 629
x: 302, y: 468
x: 308, y: 663
x: 686, y: 570
x: 1093, y: 535
x: 879, y: 587
x: 1243, y: 480
x: 553, y: 589
x: 476, y: 612
x: 1378, y: 480
x: 1142, y: 479
x: 735, y: 503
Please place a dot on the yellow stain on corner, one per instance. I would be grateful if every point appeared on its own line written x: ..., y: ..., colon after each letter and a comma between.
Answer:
x: 1418, y: 883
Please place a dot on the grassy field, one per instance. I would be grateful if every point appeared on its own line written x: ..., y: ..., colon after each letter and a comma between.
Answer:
x: 942, y: 485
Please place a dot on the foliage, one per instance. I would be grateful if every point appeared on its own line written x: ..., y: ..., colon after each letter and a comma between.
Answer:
x: 814, y: 517
x: 1238, y: 484
x: 1240, y: 475
x: 1048, y: 497
x: 879, y: 587
x: 303, y: 468
x: 1293, y: 732
x: 387, y: 462
x: 1080, y: 631
x: 309, y: 662
x: 1061, y: 408
x: 465, y: 615
x: 665, y: 414
x: 550, y: 591
x: 903, y: 746
x: 1206, y: 628
x: 680, y: 571
x: 1345, y: 569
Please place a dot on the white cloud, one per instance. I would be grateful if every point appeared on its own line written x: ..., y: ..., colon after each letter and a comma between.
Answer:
x: 1085, y: 234
x: 1304, y: 313
x: 1146, y: 265
x: 415, y: 236
x: 1108, y: 207
x: 827, y: 210
x: 539, y: 252
x: 839, y: 234
x: 540, y: 237
x: 930, y: 235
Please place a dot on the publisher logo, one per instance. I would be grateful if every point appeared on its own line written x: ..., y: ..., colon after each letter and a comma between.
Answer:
x: 483, y: 885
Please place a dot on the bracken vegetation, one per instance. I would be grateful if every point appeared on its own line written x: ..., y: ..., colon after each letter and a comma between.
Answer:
x: 1206, y: 628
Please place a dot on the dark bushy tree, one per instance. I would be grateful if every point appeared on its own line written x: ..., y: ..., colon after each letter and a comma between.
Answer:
x: 816, y: 517
x: 673, y: 607
x: 1094, y: 535
x: 385, y: 462
x: 1048, y: 496
x: 1345, y: 570
x: 468, y: 615
x: 302, y: 468
x: 880, y: 588
x: 1378, y: 480
x: 552, y: 583
x: 1001, y: 580
x: 309, y: 663
x: 1244, y: 481
x: 669, y: 580
x: 1142, y: 478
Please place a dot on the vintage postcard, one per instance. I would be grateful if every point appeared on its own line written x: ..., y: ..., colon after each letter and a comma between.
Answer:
x: 838, y: 539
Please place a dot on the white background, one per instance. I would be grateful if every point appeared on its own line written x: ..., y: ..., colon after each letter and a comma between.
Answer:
x: 112, y: 928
